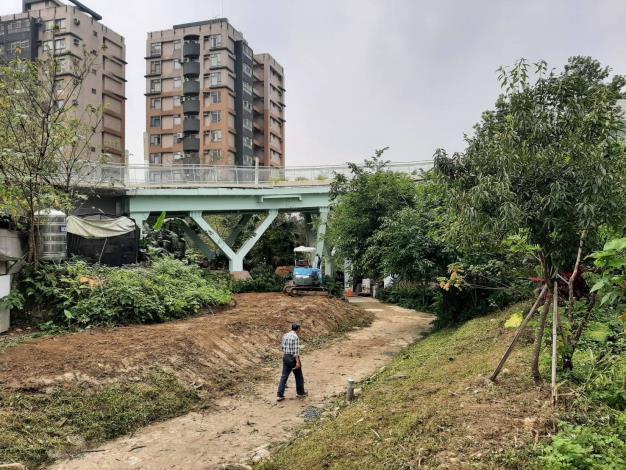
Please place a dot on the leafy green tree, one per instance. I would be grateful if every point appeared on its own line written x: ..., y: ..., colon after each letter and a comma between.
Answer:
x: 408, y: 243
x: 361, y: 204
x: 549, y: 162
x: 45, y: 137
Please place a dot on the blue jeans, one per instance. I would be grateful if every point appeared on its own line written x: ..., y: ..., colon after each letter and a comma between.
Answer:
x: 289, y: 362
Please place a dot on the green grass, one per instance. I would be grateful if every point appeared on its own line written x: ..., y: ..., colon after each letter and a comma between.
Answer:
x: 35, y: 428
x: 431, y: 406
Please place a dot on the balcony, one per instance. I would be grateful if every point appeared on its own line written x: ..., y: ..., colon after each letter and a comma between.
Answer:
x: 191, y: 49
x: 191, y: 143
x: 191, y: 125
x: 191, y: 69
x: 191, y: 106
x: 191, y: 87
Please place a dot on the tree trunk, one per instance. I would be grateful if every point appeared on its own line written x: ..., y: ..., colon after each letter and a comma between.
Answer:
x: 539, y: 339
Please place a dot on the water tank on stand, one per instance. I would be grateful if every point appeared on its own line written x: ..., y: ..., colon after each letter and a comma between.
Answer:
x: 52, y: 234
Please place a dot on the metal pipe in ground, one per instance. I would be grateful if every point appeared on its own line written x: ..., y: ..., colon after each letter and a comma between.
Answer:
x: 350, y: 390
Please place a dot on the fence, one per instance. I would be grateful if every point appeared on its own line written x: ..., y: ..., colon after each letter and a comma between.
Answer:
x: 142, y: 176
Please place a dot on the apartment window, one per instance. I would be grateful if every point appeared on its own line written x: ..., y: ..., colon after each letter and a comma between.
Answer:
x: 216, y: 97
x: 94, y: 71
x: 58, y: 86
x: 155, y: 121
x: 59, y: 45
x: 247, y: 105
x: 178, y: 82
x: 247, y: 88
x: 215, y: 40
x: 247, y: 124
x: 155, y: 103
x: 216, y: 136
x: 247, y: 70
x: 177, y: 44
x: 215, y: 154
x: 155, y: 139
x: 177, y: 119
x: 211, y: 117
x: 155, y: 159
x: 18, y: 46
x: 94, y: 91
x: 155, y: 48
x: 247, y: 142
x: 177, y: 65
x: 76, y: 42
x: 155, y: 66
x: 177, y: 101
x: 215, y: 59
x: 215, y: 78
x: 155, y: 85
x: 47, y: 46
x: 18, y: 26
x: 247, y: 51
x: 95, y: 34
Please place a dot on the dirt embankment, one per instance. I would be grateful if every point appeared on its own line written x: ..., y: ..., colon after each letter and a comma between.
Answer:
x: 209, y: 352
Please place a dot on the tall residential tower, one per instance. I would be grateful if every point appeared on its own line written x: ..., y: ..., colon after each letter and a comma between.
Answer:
x: 51, y: 26
x: 210, y: 100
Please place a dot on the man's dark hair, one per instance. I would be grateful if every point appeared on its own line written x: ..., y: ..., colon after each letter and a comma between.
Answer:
x: 295, y: 327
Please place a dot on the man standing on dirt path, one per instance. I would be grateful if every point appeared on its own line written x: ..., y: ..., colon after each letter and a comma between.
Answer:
x: 291, y: 363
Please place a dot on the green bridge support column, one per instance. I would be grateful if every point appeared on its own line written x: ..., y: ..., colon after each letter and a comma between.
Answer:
x: 320, y: 243
x: 236, y: 258
x: 197, y: 241
x: 140, y: 218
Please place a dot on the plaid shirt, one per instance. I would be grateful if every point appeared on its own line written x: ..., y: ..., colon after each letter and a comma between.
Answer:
x: 291, y: 344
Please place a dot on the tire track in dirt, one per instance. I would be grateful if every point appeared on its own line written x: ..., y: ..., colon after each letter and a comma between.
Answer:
x: 234, y: 430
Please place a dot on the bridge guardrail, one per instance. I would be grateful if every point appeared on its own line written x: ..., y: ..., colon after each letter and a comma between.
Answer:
x: 145, y: 176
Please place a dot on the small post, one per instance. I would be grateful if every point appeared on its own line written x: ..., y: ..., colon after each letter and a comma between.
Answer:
x: 555, y: 322
x: 256, y: 170
x: 350, y: 391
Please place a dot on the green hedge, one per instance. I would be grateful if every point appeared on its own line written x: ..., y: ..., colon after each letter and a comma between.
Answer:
x: 77, y: 295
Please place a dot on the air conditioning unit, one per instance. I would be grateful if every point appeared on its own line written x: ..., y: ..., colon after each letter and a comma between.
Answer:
x: 180, y: 135
x: 178, y: 156
x: 76, y: 21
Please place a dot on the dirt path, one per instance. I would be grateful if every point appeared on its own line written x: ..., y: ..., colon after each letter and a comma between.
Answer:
x: 239, y: 425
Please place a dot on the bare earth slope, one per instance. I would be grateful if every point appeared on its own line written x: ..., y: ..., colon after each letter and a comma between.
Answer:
x: 203, y: 351
x: 238, y: 425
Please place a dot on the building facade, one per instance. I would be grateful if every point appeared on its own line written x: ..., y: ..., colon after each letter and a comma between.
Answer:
x: 67, y: 30
x: 210, y: 100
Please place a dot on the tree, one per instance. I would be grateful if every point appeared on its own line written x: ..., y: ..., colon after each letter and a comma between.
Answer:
x: 408, y: 243
x: 549, y: 162
x: 45, y: 137
x: 360, y: 205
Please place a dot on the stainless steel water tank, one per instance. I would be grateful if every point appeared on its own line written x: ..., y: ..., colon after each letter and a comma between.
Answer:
x: 52, y: 233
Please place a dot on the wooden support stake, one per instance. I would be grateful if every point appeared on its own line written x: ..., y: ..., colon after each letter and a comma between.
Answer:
x: 519, y: 332
x: 555, y: 322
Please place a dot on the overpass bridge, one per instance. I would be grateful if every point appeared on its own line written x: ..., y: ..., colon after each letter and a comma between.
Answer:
x: 190, y: 192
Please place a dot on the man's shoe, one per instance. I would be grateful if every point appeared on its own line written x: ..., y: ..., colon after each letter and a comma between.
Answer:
x: 280, y: 398
x: 304, y: 395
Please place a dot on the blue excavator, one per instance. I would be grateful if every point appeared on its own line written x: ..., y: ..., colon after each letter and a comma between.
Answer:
x: 307, y: 276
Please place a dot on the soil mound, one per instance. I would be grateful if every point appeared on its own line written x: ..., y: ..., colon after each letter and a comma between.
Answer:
x: 209, y: 352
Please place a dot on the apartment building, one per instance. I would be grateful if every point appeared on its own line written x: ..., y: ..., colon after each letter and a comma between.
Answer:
x: 67, y: 30
x: 210, y: 100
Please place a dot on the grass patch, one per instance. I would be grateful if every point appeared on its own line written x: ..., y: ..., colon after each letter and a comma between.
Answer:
x: 432, y: 406
x: 36, y: 428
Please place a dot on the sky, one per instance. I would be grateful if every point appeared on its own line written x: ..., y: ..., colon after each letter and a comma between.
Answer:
x: 366, y: 74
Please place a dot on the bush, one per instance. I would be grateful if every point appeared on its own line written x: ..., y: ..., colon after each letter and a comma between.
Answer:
x: 263, y: 280
x: 584, y: 447
x: 77, y: 295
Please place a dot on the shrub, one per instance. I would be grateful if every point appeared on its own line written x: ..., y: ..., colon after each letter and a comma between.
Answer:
x: 263, y: 280
x: 584, y: 447
x: 77, y: 295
